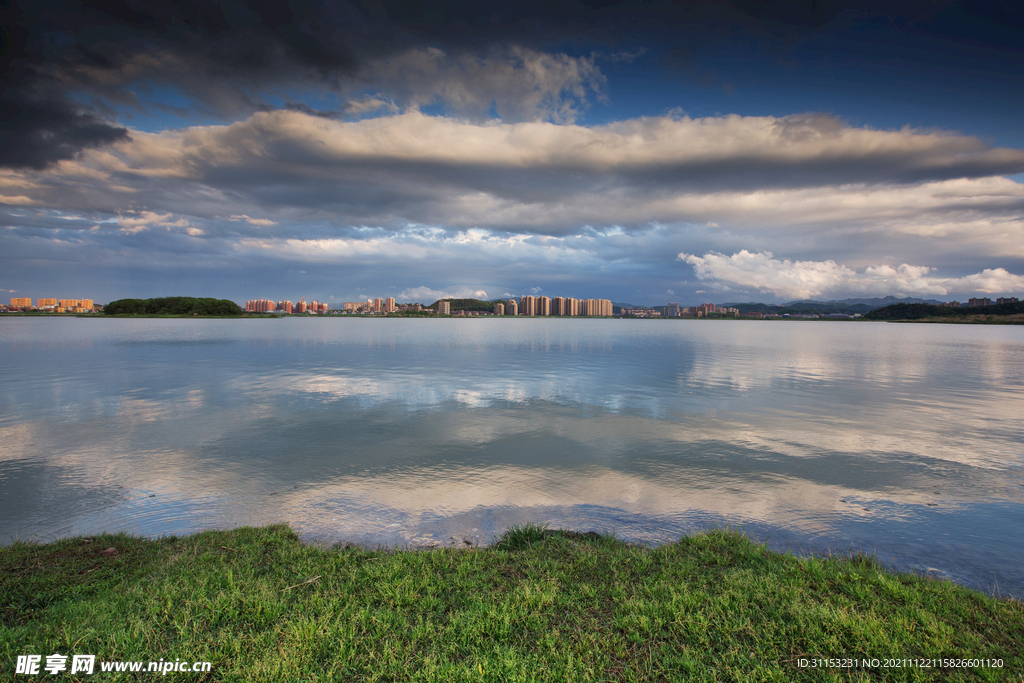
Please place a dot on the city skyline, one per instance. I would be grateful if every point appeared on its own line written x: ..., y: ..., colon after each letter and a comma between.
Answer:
x: 390, y: 305
x: 653, y: 152
x: 526, y: 305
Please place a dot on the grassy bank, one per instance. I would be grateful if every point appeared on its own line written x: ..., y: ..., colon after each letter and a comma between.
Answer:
x: 538, y: 606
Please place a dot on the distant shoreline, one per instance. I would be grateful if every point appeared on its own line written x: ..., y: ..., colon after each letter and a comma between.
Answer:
x: 1016, y: 319
x: 981, y: 319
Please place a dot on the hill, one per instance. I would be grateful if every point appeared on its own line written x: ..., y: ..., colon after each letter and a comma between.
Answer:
x: 469, y: 304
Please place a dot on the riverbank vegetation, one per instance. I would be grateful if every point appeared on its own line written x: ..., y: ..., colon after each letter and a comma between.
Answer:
x: 469, y: 305
x: 174, y: 306
x: 538, y: 605
x: 1003, y: 314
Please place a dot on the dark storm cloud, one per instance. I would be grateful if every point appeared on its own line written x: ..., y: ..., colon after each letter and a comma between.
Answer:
x: 40, y: 124
x: 66, y: 66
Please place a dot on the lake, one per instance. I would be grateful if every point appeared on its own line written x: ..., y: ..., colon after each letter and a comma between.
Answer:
x: 902, y: 440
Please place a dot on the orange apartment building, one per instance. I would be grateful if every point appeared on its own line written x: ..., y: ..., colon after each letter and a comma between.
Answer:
x: 55, y: 305
x: 562, y: 306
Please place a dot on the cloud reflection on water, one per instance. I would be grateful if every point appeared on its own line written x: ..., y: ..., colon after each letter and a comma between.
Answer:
x: 826, y: 434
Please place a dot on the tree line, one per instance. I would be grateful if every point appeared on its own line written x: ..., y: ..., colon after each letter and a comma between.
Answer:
x: 173, y: 305
x: 919, y: 311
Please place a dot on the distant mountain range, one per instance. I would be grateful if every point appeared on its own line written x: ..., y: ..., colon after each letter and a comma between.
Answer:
x: 861, y: 305
x: 875, y: 302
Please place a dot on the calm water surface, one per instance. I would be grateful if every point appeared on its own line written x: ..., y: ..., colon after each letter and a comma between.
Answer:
x: 902, y: 440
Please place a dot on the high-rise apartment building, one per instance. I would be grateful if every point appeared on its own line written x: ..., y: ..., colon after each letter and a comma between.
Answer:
x: 389, y: 305
x: 42, y: 303
x: 75, y: 303
x: 512, y: 306
x: 22, y: 302
x: 286, y: 306
x: 444, y: 307
x: 672, y: 310
x: 979, y: 302
x: 596, y: 308
x: 1000, y: 300
x: 543, y: 305
x: 565, y: 306
x: 378, y: 305
x: 527, y: 305
x: 499, y: 309
x: 260, y: 306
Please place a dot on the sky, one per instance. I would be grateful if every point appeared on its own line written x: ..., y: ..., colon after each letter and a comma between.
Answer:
x: 643, y: 152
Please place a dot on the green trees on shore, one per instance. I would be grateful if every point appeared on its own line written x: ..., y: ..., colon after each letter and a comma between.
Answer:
x: 173, y: 305
x: 919, y: 311
x: 469, y: 304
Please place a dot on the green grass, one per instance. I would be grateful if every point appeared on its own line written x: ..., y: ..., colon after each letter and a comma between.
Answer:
x: 539, y: 605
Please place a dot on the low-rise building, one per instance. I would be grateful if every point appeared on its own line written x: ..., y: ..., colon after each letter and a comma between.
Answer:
x: 641, y: 313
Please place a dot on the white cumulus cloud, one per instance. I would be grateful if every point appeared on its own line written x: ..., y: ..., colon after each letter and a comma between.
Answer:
x: 761, y: 272
x: 252, y: 221
x: 428, y: 295
x: 143, y: 220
